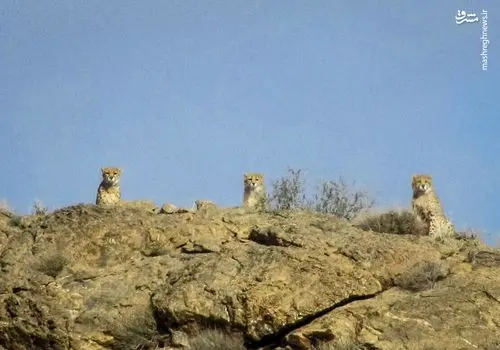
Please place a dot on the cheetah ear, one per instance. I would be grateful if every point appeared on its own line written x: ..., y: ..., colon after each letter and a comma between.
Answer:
x: 120, y: 170
x: 102, y: 170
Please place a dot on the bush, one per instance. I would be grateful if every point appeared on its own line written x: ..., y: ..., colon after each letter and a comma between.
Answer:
x: 288, y: 192
x: 332, y: 197
x: 421, y: 276
x: 16, y: 221
x: 214, y: 339
x: 138, y: 333
x: 400, y: 223
x: 467, y: 235
x: 53, y: 265
x: 39, y: 208
x: 340, y: 199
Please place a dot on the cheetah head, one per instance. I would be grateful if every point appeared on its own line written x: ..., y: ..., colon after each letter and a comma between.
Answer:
x: 253, y: 180
x: 421, y: 184
x: 111, y: 175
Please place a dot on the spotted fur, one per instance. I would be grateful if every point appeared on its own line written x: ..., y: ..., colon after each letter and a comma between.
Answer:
x: 254, y: 195
x: 427, y: 206
x: 109, y: 189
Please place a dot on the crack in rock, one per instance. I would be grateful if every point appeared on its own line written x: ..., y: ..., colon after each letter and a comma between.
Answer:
x: 276, y: 337
x: 491, y: 296
x: 271, y: 236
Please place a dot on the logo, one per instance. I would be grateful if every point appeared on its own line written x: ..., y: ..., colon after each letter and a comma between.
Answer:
x: 465, y: 17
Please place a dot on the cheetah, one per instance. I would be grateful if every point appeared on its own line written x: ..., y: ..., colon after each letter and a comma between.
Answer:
x: 427, y: 206
x: 109, y: 189
x: 254, y: 195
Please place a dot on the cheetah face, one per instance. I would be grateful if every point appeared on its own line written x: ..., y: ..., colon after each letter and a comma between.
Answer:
x: 111, y: 175
x: 253, y: 180
x: 421, y: 183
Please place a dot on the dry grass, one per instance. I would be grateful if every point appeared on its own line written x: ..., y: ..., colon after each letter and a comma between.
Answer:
x: 139, y: 333
x: 422, y: 276
x: 396, y: 222
x: 16, y: 221
x: 53, y: 264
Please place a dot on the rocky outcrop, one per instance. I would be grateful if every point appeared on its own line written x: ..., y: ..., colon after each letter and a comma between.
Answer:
x: 137, y: 277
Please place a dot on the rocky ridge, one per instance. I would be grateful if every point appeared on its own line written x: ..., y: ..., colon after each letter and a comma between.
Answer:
x: 137, y: 277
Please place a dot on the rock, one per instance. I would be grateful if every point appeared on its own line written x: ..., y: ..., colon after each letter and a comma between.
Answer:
x: 91, y: 277
x: 272, y: 236
x: 144, y: 205
x: 179, y: 339
x: 488, y: 258
x: 168, y: 209
x: 206, y: 208
x: 172, y: 209
x: 201, y: 247
x: 298, y: 341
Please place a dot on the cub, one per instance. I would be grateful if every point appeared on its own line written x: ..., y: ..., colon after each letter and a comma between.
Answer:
x: 109, y: 189
x: 254, y: 195
x: 427, y: 206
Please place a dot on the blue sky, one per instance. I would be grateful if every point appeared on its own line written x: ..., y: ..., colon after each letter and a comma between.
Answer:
x: 188, y: 95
